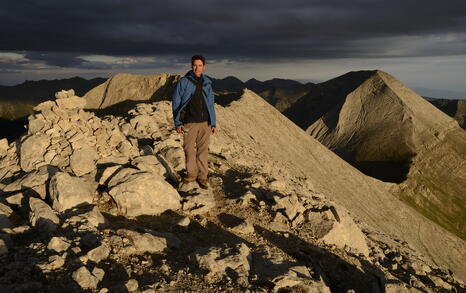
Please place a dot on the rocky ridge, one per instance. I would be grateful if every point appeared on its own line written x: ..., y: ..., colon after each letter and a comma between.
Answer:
x: 79, y: 211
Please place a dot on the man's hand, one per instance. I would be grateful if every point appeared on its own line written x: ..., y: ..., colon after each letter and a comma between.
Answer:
x: 179, y: 130
x: 214, y: 130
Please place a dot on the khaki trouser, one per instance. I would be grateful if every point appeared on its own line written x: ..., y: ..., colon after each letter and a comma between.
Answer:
x: 196, y: 148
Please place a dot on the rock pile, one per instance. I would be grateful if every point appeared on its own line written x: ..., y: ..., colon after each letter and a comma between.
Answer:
x: 94, y: 203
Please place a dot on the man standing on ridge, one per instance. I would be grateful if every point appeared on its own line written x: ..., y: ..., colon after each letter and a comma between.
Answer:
x: 194, y: 116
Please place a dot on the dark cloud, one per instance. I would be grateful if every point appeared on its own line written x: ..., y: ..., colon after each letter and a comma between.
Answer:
x: 58, y: 32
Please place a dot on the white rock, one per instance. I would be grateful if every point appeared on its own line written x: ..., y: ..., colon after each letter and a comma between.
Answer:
x: 32, y: 151
x: 142, y: 193
x: 84, y: 278
x: 63, y: 94
x: 67, y: 192
x: 99, y: 253
x: 42, y: 216
x: 71, y: 103
x: 82, y: 161
x: 58, y: 244
x: 131, y: 285
x: 218, y: 261
x: 146, y: 242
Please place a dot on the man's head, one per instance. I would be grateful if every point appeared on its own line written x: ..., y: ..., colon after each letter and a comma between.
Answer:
x: 198, y: 64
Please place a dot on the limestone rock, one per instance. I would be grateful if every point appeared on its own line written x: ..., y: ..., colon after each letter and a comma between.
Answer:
x: 220, y: 261
x: 82, y: 161
x: 63, y: 94
x: 71, y: 103
x: 132, y: 285
x: 42, y: 216
x: 98, y: 254
x: 142, y: 193
x: 32, y: 151
x: 150, y: 164
x: 67, y: 191
x: 147, y: 242
x: 59, y: 244
x: 290, y: 204
x: 335, y: 226
x: 196, y: 201
x: 84, y: 278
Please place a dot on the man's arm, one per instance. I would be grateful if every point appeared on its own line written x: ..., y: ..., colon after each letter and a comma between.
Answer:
x: 176, y: 102
x: 213, y: 121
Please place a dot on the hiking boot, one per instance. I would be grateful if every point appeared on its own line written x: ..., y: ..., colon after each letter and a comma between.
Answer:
x: 203, y: 183
x: 188, y: 179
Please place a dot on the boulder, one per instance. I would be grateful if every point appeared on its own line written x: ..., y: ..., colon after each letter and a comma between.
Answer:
x: 335, y: 226
x: 42, y: 216
x: 59, y: 244
x: 149, y: 163
x: 63, y: 94
x: 32, y: 151
x: 82, y: 161
x: 225, y: 261
x: 148, y: 242
x: 71, y: 103
x: 99, y: 253
x: 85, y: 279
x: 142, y: 193
x: 67, y: 192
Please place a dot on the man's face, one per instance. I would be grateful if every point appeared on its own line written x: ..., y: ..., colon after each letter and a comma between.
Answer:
x: 198, y: 67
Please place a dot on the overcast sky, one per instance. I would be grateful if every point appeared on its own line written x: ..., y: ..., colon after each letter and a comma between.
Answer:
x: 422, y: 43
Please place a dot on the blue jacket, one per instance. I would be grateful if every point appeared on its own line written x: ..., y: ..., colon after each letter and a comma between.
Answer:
x: 184, y: 90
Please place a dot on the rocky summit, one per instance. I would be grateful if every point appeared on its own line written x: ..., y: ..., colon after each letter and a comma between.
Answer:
x: 95, y: 204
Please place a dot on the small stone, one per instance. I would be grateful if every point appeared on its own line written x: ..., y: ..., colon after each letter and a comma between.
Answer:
x: 132, y: 285
x: 99, y: 253
x: 98, y: 273
x: 183, y: 222
x: 84, y: 278
x: 56, y: 262
x: 58, y: 244
x: 244, y: 227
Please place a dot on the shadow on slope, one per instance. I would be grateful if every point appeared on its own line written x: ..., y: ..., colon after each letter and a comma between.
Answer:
x: 13, y: 129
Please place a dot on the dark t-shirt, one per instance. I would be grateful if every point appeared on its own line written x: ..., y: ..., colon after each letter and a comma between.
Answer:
x: 196, y: 110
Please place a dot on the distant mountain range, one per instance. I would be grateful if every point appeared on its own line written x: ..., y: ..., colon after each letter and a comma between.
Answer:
x: 17, y: 101
x: 280, y: 93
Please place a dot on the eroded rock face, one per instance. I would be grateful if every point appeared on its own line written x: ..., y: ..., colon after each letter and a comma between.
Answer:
x: 142, y: 193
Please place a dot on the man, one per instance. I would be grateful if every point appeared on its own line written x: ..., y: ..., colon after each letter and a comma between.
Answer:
x: 194, y: 117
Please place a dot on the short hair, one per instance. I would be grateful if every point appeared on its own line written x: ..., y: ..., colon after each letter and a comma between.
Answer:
x: 198, y: 57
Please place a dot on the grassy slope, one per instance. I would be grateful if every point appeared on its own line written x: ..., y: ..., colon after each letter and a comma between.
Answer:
x: 433, y: 186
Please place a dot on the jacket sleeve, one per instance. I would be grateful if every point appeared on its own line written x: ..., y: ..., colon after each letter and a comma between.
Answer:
x: 176, y: 102
x: 214, y: 117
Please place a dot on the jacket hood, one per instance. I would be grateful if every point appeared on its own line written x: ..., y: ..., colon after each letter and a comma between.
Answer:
x: 190, y: 74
